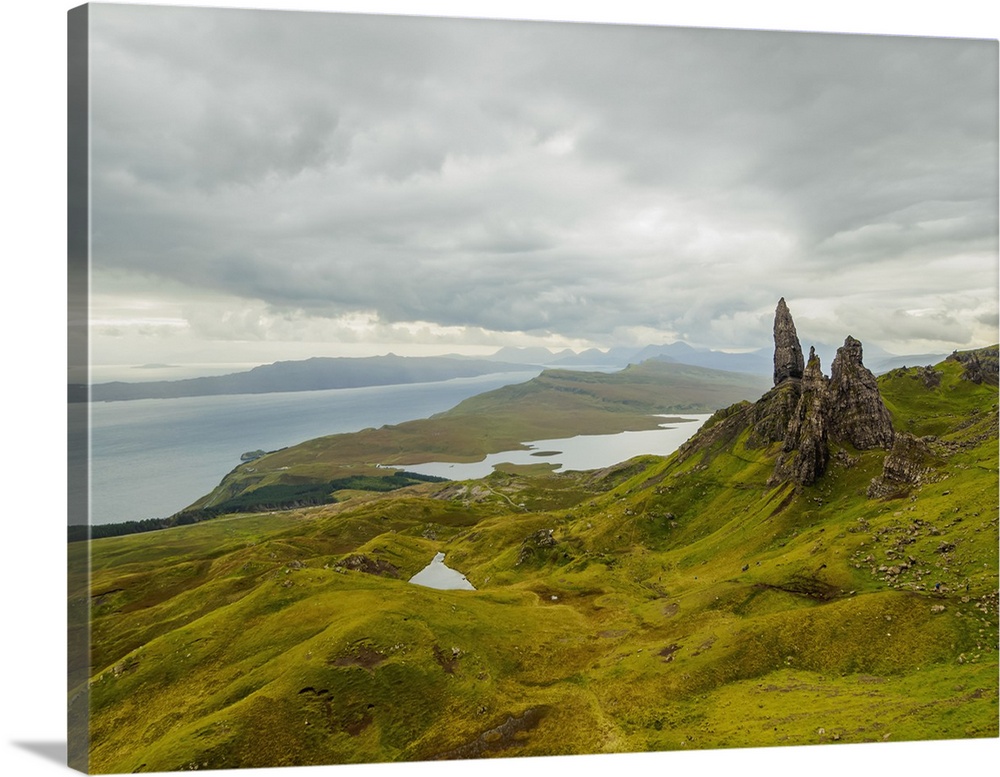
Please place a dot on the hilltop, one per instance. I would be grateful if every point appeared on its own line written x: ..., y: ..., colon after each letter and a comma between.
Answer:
x: 815, y: 566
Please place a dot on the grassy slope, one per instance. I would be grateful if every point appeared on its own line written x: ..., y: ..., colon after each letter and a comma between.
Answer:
x: 558, y: 403
x: 684, y: 604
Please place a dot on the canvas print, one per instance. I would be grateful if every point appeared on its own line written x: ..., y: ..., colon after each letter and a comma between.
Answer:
x: 460, y: 389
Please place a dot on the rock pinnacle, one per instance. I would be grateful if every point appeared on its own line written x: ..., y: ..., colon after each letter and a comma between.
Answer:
x: 788, y: 361
x: 857, y: 413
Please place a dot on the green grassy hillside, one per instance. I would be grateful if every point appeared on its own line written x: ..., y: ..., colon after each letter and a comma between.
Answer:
x: 660, y: 604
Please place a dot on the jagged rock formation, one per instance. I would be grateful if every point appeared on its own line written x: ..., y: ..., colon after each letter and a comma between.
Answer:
x: 806, y: 411
x: 806, y: 452
x: 788, y: 361
x: 856, y: 411
x: 846, y: 408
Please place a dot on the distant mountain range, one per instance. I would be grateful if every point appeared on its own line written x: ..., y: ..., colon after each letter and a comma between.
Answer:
x: 682, y: 353
x: 759, y: 362
x: 307, y: 375
x: 346, y: 372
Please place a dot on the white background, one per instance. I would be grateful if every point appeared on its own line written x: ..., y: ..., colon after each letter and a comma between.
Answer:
x: 32, y: 446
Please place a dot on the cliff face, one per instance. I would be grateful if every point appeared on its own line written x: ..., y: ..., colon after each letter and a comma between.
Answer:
x: 905, y: 466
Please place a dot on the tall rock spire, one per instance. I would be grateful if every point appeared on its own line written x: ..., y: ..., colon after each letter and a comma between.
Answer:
x: 788, y: 361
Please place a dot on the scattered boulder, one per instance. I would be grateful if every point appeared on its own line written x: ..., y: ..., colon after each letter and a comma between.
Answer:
x: 448, y: 659
x: 511, y: 732
x: 930, y: 377
x: 124, y: 666
x: 539, y: 540
x: 370, y: 566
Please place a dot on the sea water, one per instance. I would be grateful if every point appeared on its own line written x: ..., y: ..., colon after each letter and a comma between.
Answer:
x: 153, y: 457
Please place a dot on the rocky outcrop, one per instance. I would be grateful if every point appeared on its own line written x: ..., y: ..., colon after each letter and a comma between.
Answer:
x: 981, y: 365
x: 856, y: 411
x: 906, y: 465
x: 772, y: 413
x: 370, y: 566
x: 788, y: 362
x: 806, y: 412
x: 805, y: 452
x: 535, y: 542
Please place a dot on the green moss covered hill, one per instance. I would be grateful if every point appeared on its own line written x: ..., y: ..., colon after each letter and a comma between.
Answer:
x: 818, y: 566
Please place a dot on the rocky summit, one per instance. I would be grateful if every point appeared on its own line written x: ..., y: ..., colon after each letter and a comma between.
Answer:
x: 845, y: 408
x: 807, y: 411
x: 981, y: 365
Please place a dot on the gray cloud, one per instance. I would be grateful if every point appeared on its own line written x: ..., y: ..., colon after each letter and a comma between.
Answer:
x: 592, y: 183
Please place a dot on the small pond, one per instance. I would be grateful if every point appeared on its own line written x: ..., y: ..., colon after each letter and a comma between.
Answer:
x: 437, y: 575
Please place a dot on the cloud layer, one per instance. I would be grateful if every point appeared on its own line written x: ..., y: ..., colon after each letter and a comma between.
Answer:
x: 298, y: 176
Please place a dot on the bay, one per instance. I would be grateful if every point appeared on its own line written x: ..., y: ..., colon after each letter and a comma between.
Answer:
x: 152, y: 457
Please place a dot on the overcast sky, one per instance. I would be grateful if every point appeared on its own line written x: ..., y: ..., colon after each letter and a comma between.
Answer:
x: 275, y: 185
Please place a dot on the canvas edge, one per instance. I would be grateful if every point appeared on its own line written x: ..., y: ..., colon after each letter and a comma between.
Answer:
x: 78, y: 431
